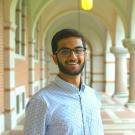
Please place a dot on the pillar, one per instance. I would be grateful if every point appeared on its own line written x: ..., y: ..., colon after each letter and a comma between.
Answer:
x: 42, y: 68
x: 109, y: 73
x: 31, y: 68
x: 120, y: 71
x: 9, y: 75
x: 130, y: 44
x: 2, y: 126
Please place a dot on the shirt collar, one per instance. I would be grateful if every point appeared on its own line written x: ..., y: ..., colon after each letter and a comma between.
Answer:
x: 68, y: 87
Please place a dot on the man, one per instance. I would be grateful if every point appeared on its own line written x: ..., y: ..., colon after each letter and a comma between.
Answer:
x: 67, y: 106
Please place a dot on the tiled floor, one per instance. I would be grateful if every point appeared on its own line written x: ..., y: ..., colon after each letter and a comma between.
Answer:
x: 117, y: 119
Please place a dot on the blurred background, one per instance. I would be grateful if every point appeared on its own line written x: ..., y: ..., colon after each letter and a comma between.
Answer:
x: 26, y: 66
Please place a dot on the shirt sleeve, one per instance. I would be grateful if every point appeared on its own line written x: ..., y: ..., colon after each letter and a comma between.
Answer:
x: 35, y: 118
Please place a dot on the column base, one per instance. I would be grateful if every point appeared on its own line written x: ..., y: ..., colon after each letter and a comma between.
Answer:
x: 121, y: 95
x: 10, y: 120
x: 130, y: 104
x: 2, y: 123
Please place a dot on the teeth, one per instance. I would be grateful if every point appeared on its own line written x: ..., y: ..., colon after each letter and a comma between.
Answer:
x: 72, y: 63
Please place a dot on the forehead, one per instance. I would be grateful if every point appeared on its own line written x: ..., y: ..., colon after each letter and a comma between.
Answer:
x: 70, y: 42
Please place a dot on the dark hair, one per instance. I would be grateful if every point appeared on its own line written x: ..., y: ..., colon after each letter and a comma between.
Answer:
x: 65, y: 33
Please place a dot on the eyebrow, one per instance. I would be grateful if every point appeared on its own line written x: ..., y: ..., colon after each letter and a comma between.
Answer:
x: 70, y: 48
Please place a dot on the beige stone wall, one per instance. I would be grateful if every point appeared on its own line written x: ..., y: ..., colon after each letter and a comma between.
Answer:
x: 1, y: 60
x: 21, y: 72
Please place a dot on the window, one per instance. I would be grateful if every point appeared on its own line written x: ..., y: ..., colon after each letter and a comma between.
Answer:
x: 23, y: 101
x: 17, y: 104
x: 20, y: 28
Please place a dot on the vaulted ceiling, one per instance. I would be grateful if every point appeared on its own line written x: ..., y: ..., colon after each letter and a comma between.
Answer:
x: 95, y: 24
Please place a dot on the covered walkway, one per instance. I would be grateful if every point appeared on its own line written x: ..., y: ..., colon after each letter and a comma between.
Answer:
x: 26, y: 64
x: 117, y: 118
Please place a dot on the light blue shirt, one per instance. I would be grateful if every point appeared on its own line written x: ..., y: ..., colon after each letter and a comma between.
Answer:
x: 62, y: 109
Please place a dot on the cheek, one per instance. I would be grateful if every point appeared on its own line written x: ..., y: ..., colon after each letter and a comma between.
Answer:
x: 60, y: 59
x: 82, y: 59
x: 55, y: 59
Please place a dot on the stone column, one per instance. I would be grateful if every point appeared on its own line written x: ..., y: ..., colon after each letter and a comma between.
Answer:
x: 97, y: 72
x: 130, y: 44
x: 109, y: 73
x: 46, y: 66
x: 31, y: 68
x: 86, y: 74
x: 1, y: 68
x: 120, y: 71
x: 9, y: 75
x: 42, y: 68
x: 88, y: 67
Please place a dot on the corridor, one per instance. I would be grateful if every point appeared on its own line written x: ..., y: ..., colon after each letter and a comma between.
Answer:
x: 117, y: 119
x: 26, y: 64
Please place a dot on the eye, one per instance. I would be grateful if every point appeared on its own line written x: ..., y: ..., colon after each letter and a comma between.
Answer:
x: 65, y: 51
x: 79, y: 50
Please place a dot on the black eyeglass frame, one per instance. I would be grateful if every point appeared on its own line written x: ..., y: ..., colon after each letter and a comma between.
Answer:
x: 69, y: 50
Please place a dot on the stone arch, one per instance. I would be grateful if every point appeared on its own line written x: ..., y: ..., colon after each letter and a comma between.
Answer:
x: 120, y: 32
x: 133, y: 21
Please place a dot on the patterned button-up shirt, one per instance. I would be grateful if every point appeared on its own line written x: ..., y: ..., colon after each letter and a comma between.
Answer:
x: 62, y: 109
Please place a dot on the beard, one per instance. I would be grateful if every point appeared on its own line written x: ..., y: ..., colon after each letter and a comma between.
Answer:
x: 67, y: 71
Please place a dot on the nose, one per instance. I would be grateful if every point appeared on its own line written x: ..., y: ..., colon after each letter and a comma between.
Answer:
x: 72, y: 54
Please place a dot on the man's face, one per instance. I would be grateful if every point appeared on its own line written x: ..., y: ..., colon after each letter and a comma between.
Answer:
x: 70, y: 63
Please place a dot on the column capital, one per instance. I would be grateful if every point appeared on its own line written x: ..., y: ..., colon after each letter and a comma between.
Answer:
x: 130, y: 45
x: 119, y: 51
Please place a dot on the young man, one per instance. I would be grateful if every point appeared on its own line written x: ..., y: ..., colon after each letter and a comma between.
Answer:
x: 67, y: 106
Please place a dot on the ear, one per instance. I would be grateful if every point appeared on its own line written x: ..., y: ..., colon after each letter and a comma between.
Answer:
x: 54, y: 58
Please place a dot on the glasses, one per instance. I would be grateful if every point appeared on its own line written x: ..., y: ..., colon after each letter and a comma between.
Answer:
x: 67, y: 51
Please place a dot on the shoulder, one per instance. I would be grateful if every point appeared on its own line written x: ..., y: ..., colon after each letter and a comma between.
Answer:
x: 41, y: 97
x: 45, y: 91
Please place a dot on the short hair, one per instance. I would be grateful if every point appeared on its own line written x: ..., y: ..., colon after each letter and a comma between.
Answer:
x: 65, y: 33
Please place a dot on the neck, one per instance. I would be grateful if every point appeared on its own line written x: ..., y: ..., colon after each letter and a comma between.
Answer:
x: 76, y: 80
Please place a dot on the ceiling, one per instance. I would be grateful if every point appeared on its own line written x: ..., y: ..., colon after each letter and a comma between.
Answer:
x: 96, y: 24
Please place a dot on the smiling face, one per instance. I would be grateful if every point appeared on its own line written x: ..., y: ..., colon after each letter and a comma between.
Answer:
x: 72, y: 64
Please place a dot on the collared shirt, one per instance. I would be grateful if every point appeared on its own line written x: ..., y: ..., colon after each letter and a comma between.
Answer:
x: 62, y: 109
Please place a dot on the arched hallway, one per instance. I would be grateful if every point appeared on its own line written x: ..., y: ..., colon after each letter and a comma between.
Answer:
x: 117, y: 119
x: 26, y: 65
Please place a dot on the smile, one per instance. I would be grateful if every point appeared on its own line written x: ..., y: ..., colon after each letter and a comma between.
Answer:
x: 72, y: 63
